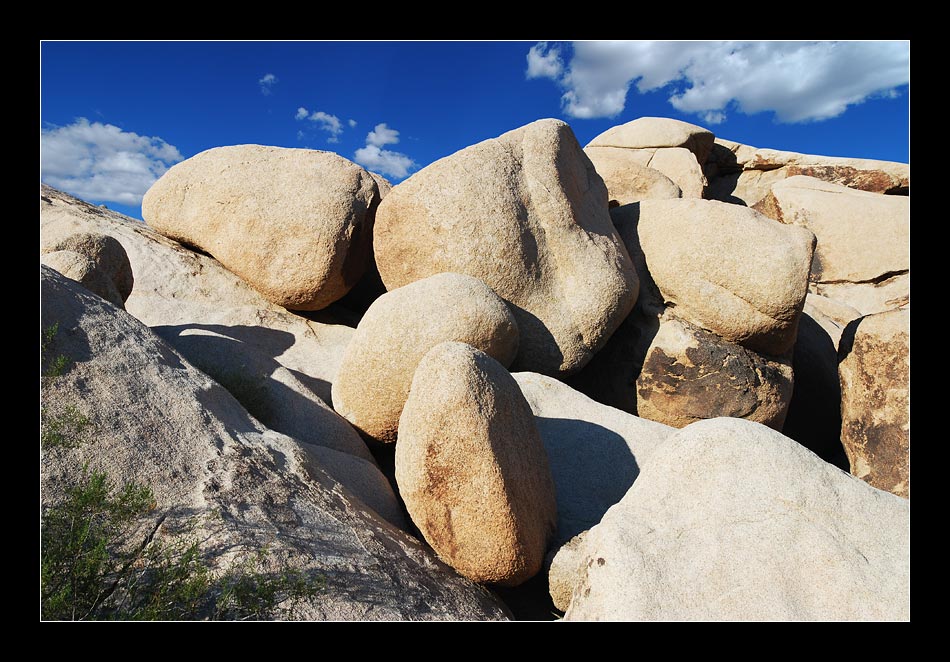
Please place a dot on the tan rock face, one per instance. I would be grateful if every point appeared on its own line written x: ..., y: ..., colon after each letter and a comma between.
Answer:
x: 680, y: 165
x: 863, y: 254
x: 646, y: 132
x: 281, y: 365
x: 84, y: 271
x: 526, y: 213
x: 472, y: 469
x: 103, y: 250
x: 296, y: 224
x: 627, y: 177
x: 397, y: 331
x: 731, y: 521
x: 874, y: 369
x: 744, y: 174
x: 689, y: 374
x: 223, y: 479
x: 728, y: 269
x: 566, y: 566
x: 361, y: 477
x: 861, y: 236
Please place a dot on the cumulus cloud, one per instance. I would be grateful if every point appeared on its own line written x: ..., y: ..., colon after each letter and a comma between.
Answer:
x: 352, y: 123
x: 383, y: 161
x: 325, y: 122
x: 382, y: 135
x: 101, y: 162
x: 267, y: 82
x: 544, y: 61
x: 798, y: 81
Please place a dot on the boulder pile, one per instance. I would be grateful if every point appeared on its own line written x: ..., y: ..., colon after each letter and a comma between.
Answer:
x: 617, y: 382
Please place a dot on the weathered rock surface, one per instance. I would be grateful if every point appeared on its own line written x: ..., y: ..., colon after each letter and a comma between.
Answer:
x: 296, y: 224
x: 676, y: 149
x: 861, y: 236
x: 215, y: 469
x: 396, y: 332
x: 472, y: 469
x: 641, y: 174
x: 566, y: 564
x: 742, y: 174
x: 628, y: 179
x: 863, y: 252
x: 653, y: 132
x: 730, y: 520
x: 595, y: 451
x: 526, y: 213
x: 280, y: 365
x: 727, y: 269
x: 104, y: 252
x: 689, y: 374
x: 878, y: 296
x: 361, y: 477
x: 84, y: 271
x: 874, y: 369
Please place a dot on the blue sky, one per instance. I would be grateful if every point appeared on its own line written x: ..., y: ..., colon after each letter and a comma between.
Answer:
x: 115, y: 115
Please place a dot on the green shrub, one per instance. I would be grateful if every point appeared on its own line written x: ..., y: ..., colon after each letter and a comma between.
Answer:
x: 66, y: 429
x: 53, y: 366
x: 93, y: 568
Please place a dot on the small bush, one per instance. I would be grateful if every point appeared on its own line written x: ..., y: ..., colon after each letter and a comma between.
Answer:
x: 64, y: 430
x: 93, y: 568
x: 53, y: 366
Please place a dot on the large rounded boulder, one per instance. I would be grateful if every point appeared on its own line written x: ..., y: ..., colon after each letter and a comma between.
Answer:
x: 728, y: 269
x: 526, y: 213
x: 472, y: 469
x: 398, y: 329
x: 296, y: 224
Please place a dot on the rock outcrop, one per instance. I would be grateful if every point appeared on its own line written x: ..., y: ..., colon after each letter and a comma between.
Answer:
x: 863, y: 253
x: 744, y: 175
x: 216, y: 471
x: 730, y: 520
x: 727, y: 269
x: 689, y: 374
x: 874, y: 368
x: 472, y: 469
x: 674, y: 148
x: 296, y: 224
x: 527, y: 214
x: 278, y: 364
x: 97, y: 261
x: 397, y: 331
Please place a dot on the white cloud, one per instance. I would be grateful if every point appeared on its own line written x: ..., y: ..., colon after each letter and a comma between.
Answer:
x: 544, y: 61
x: 799, y: 81
x: 101, y: 162
x: 352, y: 123
x: 267, y: 82
x: 382, y: 135
x: 326, y: 122
x: 714, y: 117
x: 383, y: 161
